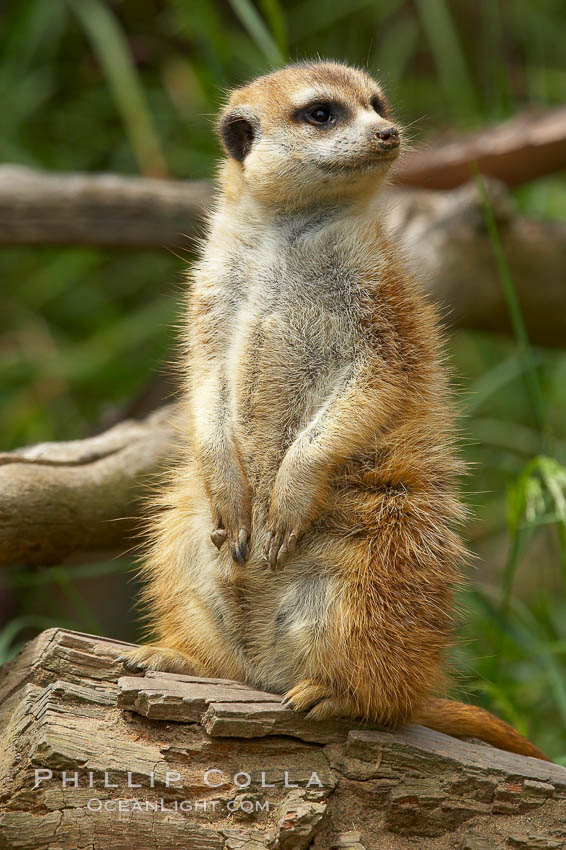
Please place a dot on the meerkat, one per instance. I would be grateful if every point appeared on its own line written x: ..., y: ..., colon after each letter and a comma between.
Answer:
x: 305, y: 540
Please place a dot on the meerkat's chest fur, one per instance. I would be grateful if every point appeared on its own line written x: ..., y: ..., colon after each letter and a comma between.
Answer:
x: 289, y: 301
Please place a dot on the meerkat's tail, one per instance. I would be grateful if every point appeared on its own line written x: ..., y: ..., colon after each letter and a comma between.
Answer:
x: 470, y: 721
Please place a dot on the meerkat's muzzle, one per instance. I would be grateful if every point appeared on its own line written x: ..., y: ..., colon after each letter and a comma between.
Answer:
x: 388, y: 140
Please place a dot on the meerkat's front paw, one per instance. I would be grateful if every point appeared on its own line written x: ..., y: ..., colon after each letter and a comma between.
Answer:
x: 295, y: 502
x: 160, y: 658
x: 234, y: 526
x: 285, y: 528
x: 280, y: 541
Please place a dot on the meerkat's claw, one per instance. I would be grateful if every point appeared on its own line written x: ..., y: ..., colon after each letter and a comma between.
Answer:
x: 218, y: 536
x: 265, y: 551
x: 241, y: 551
x: 278, y: 546
x: 288, y: 545
x: 271, y: 553
x: 239, y: 543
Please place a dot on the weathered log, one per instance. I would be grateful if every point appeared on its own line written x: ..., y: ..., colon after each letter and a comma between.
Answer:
x: 110, y: 210
x: 126, y: 212
x: 92, y: 758
x: 530, y: 145
x: 83, y: 495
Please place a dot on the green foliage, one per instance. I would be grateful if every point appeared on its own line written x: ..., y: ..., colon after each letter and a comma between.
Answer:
x: 450, y: 60
x: 536, y: 498
x: 529, y: 689
x: 514, y: 309
x: 258, y: 31
x: 111, y: 48
x: 132, y: 87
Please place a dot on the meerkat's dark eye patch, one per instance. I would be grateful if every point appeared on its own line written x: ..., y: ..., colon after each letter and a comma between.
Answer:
x: 238, y: 134
x: 379, y: 105
x: 320, y: 114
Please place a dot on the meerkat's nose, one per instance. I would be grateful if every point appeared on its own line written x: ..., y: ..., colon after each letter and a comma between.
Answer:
x: 388, y: 137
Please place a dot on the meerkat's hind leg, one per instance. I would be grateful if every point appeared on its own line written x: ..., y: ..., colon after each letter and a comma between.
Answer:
x: 321, y: 700
x: 334, y: 706
x: 305, y: 694
x: 162, y: 658
x: 323, y: 703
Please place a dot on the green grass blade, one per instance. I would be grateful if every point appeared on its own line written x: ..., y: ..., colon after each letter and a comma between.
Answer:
x: 492, y: 381
x: 108, y: 41
x: 8, y: 647
x: 34, y: 30
x: 312, y: 16
x: 510, y: 437
x: 50, y: 575
x: 449, y: 58
x: 517, y: 546
x: 514, y: 309
x: 258, y: 32
x: 275, y: 16
x: 497, y: 95
x: 393, y: 53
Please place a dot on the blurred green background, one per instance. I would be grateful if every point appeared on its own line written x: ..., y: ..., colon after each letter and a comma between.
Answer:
x: 132, y: 86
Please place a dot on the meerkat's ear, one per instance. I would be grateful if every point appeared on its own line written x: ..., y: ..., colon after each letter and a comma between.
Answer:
x: 238, y: 131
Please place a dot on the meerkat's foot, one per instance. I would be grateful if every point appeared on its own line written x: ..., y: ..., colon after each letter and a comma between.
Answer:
x: 305, y: 694
x: 160, y: 658
x: 334, y: 706
x: 323, y: 704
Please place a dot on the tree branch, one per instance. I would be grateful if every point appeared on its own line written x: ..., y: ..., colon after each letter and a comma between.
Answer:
x: 106, y: 210
x: 79, y: 496
x: 531, y: 145
x: 130, y: 212
x: 447, y: 241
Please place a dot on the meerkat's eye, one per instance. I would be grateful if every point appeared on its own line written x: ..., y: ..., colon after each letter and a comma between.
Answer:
x: 320, y: 113
x: 378, y: 105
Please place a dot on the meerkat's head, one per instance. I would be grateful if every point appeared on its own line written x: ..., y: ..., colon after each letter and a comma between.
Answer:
x: 310, y: 132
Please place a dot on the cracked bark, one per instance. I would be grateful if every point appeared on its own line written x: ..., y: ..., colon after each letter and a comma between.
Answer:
x: 66, y: 707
